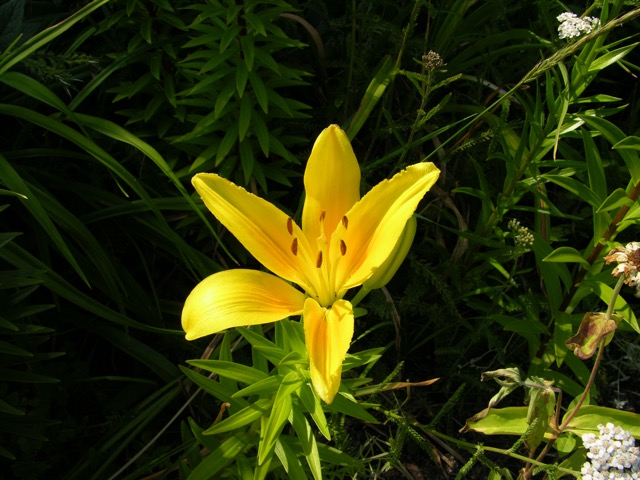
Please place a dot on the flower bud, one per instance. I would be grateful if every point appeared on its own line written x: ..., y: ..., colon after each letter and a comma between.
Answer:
x: 388, y: 269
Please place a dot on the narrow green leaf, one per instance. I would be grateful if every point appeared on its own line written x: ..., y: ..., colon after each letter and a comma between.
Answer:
x: 244, y: 417
x: 34, y: 43
x: 617, y: 199
x: 220, y: 457
x: 611, y: 57
x: 566, y: 255
x: 244, y: 120
x: 260, y: 90
x: 308, y: 442
x: 372, y: 95
x: 237, y: 371
x: 12, y: 179
x: 248, y: 49
x: 279, y: 414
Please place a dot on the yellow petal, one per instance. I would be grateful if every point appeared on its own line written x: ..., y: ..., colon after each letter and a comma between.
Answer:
x: 234, y: 298
x: 265, y: 230
x: 327, y: 333
x: 331, y: 182
x: 376, y: 223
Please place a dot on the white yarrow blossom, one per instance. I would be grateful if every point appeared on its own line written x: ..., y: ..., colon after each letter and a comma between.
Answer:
x: 612, y: 455
x: 572, y: 26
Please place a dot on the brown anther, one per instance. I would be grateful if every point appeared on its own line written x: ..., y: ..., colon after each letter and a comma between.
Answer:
x: 290, y: 225
x: 294, y: 246
x: 345, y: 222
x: 319, y: 260
x: 343, y: 247
x: 322, y: 214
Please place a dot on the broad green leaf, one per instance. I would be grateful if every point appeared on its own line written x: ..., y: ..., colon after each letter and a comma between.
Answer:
x: 239, y: 419
x: 590, y: 416
x: 501, y: 421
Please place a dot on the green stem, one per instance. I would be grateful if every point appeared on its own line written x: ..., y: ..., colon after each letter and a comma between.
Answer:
x: 570, y: 415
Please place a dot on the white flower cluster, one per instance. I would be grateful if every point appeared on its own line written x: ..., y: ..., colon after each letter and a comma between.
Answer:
x: 522, y: 236
x: 628, y: 260
x: 572, y: 26
x: 613, y: 455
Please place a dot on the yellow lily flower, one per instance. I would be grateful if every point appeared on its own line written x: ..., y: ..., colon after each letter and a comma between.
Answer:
x: 343, y: 240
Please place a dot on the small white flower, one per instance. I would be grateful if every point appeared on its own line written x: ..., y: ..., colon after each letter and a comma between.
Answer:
x: 572, y: 26
x: 612, y: 454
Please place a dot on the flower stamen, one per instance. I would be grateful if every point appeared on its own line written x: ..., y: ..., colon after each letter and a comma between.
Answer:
x: 343, y: 247
x: 290, y: 225
x: 294, y: 246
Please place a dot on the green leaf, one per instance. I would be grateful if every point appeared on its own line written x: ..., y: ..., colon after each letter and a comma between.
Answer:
x: 244, y: 417
x: 260, y: 91
x: 236, y: 371
x: 566, y: 255
x: 244, y: 120
x: 279, y: 414
x: 32, y: 44
x: 614, y: 135
x: 631, y: 142
x: 214, y: 388
x: 242, y: 75
x: 248, y: 50
x: 12, y: 179
x: 617, y: 199
x: 610, y: 58
x: 265, y: 387
x: 220, y: 457
x: 352, y: 408
x: 307, y: 439
x: 500, y: 421
x: 228, y: 141
x: 590, y: 416
x: 577, y: 188
x: 229, y: 35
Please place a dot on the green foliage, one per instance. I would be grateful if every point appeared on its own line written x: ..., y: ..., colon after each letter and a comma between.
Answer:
x: 107, y: 113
